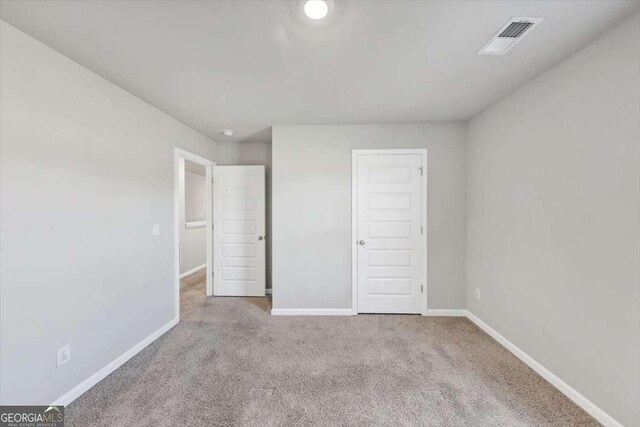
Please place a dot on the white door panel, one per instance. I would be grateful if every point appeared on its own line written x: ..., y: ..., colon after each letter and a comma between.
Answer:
x: 390, y: 252
x: 239, y: 231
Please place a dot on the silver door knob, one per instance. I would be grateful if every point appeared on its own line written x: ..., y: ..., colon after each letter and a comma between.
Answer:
x: 261, y: 237
x: 361, y: 242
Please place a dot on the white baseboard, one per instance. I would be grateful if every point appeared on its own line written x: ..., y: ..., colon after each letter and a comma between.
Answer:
x: 446, y: 313
x: 193, y: 270
x: 94, y: 379
x: 590, y: 407
x: 311, y: 312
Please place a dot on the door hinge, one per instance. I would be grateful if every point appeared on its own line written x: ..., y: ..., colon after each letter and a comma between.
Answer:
x: 421, y: 230
x: 421, y: 170
x: 421, y: 289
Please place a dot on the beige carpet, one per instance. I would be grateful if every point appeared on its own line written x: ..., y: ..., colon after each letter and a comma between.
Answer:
x: 229, y: 363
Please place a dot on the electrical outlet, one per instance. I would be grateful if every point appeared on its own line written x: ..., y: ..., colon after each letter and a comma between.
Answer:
x: 478, y: 294
x: 64, y: 355
x: 156, y: 230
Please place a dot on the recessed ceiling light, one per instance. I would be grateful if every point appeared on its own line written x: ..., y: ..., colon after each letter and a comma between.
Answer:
x: 316, y: 9
x: 227, y: 132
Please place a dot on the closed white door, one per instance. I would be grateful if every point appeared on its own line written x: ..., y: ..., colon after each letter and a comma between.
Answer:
x: 391, y: 254
x: 239, y: 231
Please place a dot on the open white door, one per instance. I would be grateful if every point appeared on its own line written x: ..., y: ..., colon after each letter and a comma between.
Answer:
x: 239, y: 231
x: 389, y: 227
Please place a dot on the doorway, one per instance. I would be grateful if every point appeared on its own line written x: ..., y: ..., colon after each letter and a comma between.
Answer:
x: 192, y: 220
x: 389, y: 224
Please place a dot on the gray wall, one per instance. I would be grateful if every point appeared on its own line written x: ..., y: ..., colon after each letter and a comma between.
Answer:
x: 553, y: 236
x: 312, y: 210
x: 252, y: 153
x: 195, y: 197
x: 86, y: 170
x: 193, y: 241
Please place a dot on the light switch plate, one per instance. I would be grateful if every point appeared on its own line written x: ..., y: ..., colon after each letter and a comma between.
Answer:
x: 156, y: 230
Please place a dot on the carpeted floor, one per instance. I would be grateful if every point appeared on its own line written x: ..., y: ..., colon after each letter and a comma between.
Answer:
x: 229, y: 363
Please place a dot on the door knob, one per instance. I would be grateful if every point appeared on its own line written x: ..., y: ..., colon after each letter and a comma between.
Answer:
x: 361, y: 242
x: 261, y: 237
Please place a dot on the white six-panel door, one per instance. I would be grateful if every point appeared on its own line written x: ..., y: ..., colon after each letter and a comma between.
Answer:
x: 239, y: 231
x: 389, y: 231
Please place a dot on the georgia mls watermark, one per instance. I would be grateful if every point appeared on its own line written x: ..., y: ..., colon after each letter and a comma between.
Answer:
x: 31, y: 416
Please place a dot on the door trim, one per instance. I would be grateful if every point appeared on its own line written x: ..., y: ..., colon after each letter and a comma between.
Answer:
x: 179, y: 156
x: 354, y: 219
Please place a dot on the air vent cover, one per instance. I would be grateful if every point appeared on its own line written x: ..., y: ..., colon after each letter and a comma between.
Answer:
x: 510, y: 34
x: 515, y: 29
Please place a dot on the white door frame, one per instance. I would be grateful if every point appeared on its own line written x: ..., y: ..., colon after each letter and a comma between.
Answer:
x: 354, y: 219
x: 179, y: 156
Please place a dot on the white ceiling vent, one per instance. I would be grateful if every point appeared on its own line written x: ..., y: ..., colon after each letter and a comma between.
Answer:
x: 510, y: 34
